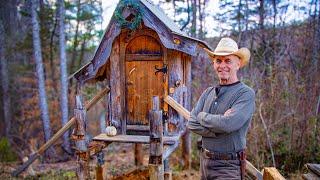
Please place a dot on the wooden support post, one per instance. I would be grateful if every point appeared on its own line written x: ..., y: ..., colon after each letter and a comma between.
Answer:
x: 156, y: 169
x: 186, y: 137
x: 79, y: 137
x: 99, y: 167
x: 186, y: 150
x: 138, y: 155
x: 167, y: 170
x: 166, y: 162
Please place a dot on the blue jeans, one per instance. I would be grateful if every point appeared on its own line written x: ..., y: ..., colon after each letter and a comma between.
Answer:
x: 219, y: 169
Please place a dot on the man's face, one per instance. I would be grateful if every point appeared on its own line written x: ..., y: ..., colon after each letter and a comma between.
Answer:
x: 226, y: 68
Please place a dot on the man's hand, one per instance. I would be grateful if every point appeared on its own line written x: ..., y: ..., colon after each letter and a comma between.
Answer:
x: 228, y: 112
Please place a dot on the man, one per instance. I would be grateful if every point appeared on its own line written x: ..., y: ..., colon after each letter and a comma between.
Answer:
x: 222, y: 115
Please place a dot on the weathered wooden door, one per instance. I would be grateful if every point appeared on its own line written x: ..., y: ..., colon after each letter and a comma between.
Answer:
x: 143, y: 54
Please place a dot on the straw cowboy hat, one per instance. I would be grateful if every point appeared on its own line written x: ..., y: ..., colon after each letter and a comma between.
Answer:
x: 228, y: 46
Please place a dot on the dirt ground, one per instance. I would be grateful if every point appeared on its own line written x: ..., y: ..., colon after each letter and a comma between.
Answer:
x: 119, y: 165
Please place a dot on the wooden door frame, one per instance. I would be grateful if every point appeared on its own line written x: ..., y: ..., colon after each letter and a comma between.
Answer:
x: 125, y: 38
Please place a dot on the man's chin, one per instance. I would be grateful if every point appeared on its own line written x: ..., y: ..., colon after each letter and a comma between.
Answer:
x: 224, y: 78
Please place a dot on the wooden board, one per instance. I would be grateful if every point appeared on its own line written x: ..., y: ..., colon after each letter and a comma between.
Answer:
x: 253, y: 170
x: 134, y: 139
x: 310, y: 176
x: 315, y: 168
x: 175, y: 70
x: 271, y: 173
x: 115, y: 86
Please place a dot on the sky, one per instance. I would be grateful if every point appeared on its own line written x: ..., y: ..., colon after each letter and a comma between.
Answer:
x: 293, y: 12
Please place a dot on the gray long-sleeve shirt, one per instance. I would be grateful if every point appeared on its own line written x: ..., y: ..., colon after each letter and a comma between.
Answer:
x: 223, y: 133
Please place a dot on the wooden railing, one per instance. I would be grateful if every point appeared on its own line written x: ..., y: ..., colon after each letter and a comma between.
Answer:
x: 56, y: 136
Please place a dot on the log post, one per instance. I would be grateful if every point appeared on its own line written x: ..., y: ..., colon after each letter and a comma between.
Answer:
x: 99, y: 167
x: 166, y: 162
x: 167, y: 170
x: 138, y: 154
x: 156, y: 169
x: 79, y: 136
x: 186, y: 137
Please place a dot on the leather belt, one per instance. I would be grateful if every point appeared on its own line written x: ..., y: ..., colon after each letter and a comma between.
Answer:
x: 223, y: 156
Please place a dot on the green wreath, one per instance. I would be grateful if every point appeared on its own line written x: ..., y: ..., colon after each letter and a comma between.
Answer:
x: 134, y: 24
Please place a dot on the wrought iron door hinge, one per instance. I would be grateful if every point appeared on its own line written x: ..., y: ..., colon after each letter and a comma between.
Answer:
x: 163, y: 70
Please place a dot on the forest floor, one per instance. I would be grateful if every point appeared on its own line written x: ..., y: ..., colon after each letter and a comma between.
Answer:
x: 119, y: 164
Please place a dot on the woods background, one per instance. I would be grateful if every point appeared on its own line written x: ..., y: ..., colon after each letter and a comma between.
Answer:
x: 284, y: 71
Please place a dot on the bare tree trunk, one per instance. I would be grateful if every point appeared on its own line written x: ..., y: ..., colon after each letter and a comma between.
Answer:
x: 200, y: 35
x: 82, y: 50
x: 64, y: 75
x: 40, y: 73
x: 5, y: 82
x: 246, y: 16
x: 188, y: 20
x: 75, y: 41
x: 194, y: 18
x: 316, y: 39
x: 51, y: 59
x: 239, y: 22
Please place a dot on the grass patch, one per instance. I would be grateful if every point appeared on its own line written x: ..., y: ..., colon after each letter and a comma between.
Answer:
x: 6, y: 152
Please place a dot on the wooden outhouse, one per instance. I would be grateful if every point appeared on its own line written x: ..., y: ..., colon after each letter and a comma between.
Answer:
x: 142, y: 54
x: 153, y: 59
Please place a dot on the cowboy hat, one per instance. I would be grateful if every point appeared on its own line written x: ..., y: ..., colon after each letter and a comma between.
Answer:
x: 228, y: 46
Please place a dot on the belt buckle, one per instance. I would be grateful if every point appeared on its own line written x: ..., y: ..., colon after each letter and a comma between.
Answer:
x: 207, y: 153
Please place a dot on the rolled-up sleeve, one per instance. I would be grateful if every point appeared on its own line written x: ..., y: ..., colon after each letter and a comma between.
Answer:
x: 242, y: 111
x: 193, y: 124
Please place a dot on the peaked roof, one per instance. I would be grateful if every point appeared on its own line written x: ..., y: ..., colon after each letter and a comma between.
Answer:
x: 156, y: 10
x: 163, y: 17
x: 154, y: 18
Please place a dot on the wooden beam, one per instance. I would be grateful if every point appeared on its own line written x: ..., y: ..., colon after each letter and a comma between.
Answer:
x: 170, y: 149
x: 138, y: 128
x: 156, y: 168
x: 315, y: 168
x: 56, y: 136
x: 143, y: 57
x: 82, y: 169
x: 133, y: 139
x: 271, y: 173
x: 253, y: 171
x: 178, y: 107
x: 310, y: 176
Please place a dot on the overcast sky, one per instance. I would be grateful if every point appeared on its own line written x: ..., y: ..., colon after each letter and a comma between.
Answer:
x: 292, y: 13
